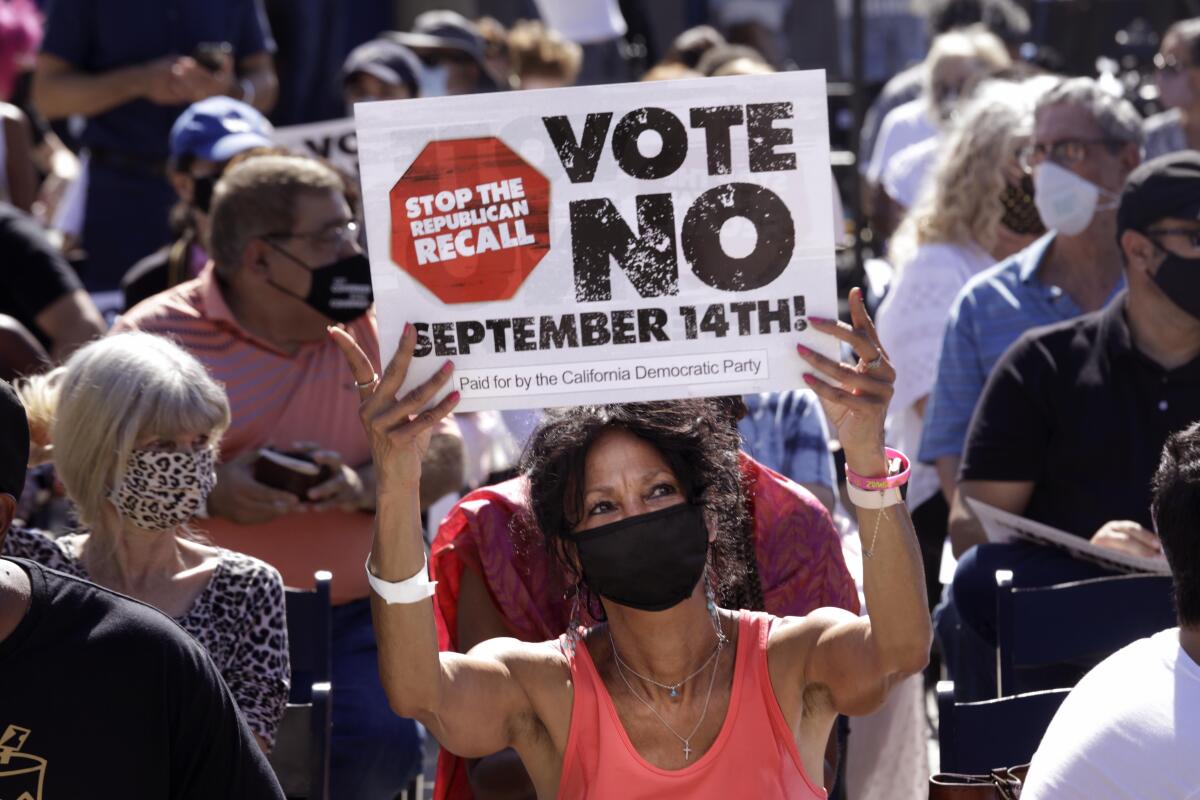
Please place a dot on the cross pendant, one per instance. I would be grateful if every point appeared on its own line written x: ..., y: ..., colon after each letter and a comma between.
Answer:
x: 687, y: 751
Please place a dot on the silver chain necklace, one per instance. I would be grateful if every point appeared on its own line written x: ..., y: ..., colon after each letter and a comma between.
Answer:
x: 672, y: 688
x: 687, y: 740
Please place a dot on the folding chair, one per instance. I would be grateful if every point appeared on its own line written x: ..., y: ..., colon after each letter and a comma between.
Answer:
x: 1079, y: 623
x: 975, y: 738
x: 301, y: 755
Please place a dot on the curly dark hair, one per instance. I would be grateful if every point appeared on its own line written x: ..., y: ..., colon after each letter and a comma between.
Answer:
x: 699, y: 444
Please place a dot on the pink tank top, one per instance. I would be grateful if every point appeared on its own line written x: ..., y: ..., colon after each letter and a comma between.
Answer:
x: 754, y: 755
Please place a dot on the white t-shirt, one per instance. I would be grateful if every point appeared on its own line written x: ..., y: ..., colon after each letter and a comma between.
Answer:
x: 904, y: 126
x: 1130, y: 729
x: 911, y: 323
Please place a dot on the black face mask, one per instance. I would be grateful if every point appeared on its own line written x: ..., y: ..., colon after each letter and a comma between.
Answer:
x: 649, y: 562
x: 1179, y: 279
x: 341, y: 290
x: 1020, y: 214
x: 202, y: 192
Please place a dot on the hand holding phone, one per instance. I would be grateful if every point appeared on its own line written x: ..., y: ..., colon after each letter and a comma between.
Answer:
x: 294, y: 472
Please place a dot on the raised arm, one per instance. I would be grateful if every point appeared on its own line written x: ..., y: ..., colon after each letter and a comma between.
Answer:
x: 858, y: 659
x: 471, y: 703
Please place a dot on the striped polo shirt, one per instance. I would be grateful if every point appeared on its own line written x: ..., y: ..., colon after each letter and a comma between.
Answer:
x: 989, y: 314
x: 276, y: 399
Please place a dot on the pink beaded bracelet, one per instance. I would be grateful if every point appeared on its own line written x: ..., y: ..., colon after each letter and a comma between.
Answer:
x: 898, y: 470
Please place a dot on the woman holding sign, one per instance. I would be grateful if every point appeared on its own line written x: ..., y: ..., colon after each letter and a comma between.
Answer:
x: 672, y: 695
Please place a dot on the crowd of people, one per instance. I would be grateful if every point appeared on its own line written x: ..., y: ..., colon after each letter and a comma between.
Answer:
x: 687, y: 598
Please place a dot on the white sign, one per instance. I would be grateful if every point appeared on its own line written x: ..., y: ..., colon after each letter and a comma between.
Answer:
x: 604, y: 243
x: 1002, y: 526
x: 335, y: 140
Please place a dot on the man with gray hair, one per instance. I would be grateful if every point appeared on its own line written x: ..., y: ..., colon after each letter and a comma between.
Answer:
x: 295, y: 487
x: 1085, y: 143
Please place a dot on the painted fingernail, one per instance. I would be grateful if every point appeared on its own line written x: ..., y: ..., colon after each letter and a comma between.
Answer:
x: 454, y: 396
x: 447, y: 367
x: 809, y: 379
x: 804, y: 351
x: 407, y: 328
x: 818, y: 320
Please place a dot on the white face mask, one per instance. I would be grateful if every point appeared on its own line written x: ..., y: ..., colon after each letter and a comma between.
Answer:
x: 1065, y: 201
x: 163, y: 490
x: 436, y: 81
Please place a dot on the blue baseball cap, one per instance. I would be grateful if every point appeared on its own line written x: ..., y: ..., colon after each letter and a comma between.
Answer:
x: 217, y: 129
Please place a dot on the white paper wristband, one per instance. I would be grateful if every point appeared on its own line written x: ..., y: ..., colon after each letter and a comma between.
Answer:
x: 409, y: 590
x: 874, y: 500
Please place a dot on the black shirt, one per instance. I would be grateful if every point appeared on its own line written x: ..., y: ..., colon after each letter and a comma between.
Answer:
x: 32, y: 273
x: 103, y: 696
x: 1078, y: 410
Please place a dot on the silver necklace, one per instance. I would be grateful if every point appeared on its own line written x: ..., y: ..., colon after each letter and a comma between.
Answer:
x: 687, y: 740
x: 672, y: 688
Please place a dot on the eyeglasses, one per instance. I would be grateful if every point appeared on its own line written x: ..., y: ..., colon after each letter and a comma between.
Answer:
x: 331, y: 236
x: 1064, y: 152
x: 1170, y: 64
x: 1192, y: 235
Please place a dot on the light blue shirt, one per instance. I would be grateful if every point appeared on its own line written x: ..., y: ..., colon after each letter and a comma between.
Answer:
x: 989, y: 314
x: 786, y: 432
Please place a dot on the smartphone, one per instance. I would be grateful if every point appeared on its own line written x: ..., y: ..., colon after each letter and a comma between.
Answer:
x: 211, y: 55
x: 290, y: 471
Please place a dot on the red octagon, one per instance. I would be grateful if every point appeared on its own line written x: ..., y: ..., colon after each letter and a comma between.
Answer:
x: 470, y: 220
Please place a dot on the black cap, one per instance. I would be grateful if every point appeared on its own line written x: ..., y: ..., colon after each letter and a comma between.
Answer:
x: 1167, y: 186
x: 14, y: 442
x: 447, y: 33
x: 388, y: 60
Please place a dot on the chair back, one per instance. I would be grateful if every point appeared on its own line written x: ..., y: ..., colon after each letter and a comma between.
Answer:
x: 310, y: 634
x: 1079, y: 623
x: 300, y: 757
x: 975, y: 738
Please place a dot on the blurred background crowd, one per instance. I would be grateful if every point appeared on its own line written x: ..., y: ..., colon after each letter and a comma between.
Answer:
x: 980, y: 151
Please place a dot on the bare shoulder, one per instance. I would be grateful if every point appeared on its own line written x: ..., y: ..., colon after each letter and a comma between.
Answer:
x: 795, y: 636
x: 793, y: 641
x: 790, y: 657
x: 530, y: 663
x: 543, y: 673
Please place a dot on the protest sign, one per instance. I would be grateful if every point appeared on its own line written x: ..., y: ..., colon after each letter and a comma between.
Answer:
x: 334, y: 140
x: 604, y: 244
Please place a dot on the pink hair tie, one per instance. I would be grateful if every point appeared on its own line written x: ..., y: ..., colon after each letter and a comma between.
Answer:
x: 898, y: 470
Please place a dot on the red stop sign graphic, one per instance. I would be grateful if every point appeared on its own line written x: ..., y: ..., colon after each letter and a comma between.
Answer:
x: 470, y: 220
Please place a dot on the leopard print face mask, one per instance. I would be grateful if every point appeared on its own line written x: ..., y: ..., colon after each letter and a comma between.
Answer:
x: 164, y: 490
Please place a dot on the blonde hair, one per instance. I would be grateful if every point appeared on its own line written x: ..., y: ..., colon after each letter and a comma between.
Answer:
x: 539, y: 51
x: 961, y: 203
x: 111, y: 394
x: 974, y: 43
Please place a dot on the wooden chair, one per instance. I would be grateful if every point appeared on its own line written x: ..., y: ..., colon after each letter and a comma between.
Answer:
x: 301, y: 755
x: 976, y: 738
x: 1079, y: 623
